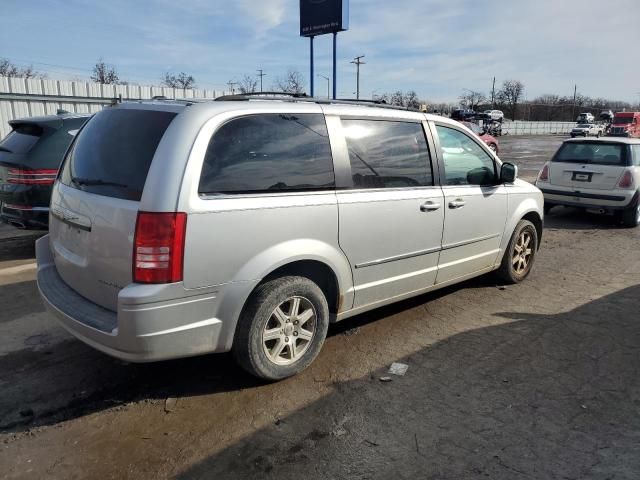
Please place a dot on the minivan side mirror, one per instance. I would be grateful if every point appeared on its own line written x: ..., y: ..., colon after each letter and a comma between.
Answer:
x: 508, y: 173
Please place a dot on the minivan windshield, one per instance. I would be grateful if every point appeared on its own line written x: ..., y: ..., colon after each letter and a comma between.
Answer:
x: 113, y: 152
x: 622, y: 120
x: 591, y: 153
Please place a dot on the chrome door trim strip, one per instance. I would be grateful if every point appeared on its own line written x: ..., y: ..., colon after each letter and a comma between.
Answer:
x: 469, y: 242
x: 420, y: 253
x: 404, y: 256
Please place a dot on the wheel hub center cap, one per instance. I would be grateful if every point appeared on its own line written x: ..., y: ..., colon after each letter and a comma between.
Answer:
x: 288, y: 329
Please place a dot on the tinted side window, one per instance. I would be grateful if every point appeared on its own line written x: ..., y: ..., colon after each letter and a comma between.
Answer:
x: 385, y: 154
x: 465, y: 162
x: 269, y: 153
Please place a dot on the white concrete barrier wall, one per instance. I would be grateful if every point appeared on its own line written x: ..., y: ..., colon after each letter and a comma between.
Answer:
x: 537, y: 128
x: 74, y: 97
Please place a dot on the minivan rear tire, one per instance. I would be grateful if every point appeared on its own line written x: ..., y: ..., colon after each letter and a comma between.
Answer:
x: 255, y: 351
x: 507, y: 272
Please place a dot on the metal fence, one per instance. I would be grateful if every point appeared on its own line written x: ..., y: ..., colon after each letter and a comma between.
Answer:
x: 537, y: 128
x: 20, y: 97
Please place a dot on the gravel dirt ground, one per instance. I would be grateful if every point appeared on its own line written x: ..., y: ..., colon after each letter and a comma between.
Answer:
x: 534, y: 381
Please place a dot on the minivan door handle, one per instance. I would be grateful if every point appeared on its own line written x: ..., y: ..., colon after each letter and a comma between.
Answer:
x: 457, y: 203
x: 430, y: 207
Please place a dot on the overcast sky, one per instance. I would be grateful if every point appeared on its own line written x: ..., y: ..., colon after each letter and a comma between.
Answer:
x: 436, y: 47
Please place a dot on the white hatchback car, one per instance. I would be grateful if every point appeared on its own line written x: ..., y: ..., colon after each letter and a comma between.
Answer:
x: 601, y: 175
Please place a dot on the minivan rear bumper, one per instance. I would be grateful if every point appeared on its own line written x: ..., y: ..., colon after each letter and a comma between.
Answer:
x: 147, y: 327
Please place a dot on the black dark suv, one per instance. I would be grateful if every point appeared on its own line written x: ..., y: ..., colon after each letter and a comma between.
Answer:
x: 29, y: 160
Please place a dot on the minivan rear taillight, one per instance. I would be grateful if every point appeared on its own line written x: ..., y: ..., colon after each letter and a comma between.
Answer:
x: 158, y: 247
x: 21, y: 176
x: 626, y: 181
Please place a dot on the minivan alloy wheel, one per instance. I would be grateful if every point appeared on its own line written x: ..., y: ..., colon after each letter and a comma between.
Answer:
x: 289, y: 331
x: 522, y: 252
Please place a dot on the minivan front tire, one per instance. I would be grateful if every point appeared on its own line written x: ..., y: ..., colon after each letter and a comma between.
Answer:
x: 282, y: 328
x: 520, y: 255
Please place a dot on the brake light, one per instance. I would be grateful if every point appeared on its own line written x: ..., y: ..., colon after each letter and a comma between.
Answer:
x: 19, y: 176
x: 626, y: 181
x: 544, y: 173
x: 158, y: 247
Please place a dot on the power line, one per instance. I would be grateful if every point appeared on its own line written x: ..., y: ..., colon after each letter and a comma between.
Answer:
x: 357, y: 61
x: 89, y: 71
x: 261, y: 74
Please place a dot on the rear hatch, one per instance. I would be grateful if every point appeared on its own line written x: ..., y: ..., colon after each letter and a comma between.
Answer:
x: 95, y: 204
x: 19, y: 168
x: 30, y: 157
x: 596, y: 165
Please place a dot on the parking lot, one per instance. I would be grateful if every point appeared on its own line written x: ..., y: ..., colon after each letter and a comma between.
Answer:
x: 538, y: 380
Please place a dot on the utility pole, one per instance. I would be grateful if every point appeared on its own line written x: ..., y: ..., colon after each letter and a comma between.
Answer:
x: 493, y: 94
x: 261, y: 74
x: 328, y: 90
x: 357, y: 62
x: 232, y: 86
x: 575, y: 95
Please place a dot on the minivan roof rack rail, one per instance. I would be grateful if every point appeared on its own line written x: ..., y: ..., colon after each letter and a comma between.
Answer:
x: 258, y: 95
x: 365, y: 103
x: 303, y: 97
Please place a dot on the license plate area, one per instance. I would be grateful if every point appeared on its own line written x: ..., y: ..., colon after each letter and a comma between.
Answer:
x: 581, y: 177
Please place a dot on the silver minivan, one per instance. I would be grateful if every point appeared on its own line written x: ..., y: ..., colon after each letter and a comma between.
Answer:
x: 249, y: 224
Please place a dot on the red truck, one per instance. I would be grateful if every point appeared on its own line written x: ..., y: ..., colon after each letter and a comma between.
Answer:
x: 625, y: 124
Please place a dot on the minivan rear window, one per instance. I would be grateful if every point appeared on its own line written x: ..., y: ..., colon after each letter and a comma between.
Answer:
x: 113, y: 152
x: 21, y: 139
x: 592, y: 153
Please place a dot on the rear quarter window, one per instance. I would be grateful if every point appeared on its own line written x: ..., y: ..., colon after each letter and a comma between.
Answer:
x: 268, y: 153
x: 113, y: 152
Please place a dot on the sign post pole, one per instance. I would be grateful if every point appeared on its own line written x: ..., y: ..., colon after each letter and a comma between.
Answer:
x: 335, y: 75
x: 311, y: 75
x: 321, y: 17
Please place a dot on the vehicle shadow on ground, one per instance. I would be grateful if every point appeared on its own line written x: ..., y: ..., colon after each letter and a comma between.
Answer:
x: 51, y: 383
x: 17, y: 250
x: 545, y: 396
x: 568, y: 218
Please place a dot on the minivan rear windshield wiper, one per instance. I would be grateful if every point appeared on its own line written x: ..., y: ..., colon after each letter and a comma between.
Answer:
x: 5, y: 149
x: 94, y: 181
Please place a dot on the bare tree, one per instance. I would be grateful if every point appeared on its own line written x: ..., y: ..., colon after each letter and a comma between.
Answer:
x: 403, y: 99
x: 510, y: 95
x: 9, y: 69
x: 105, y: 74
x: 248, y: 84
x: 471, y: 99
x: 181, y: 80
x: 397, y: 98
x: 292, y: 82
